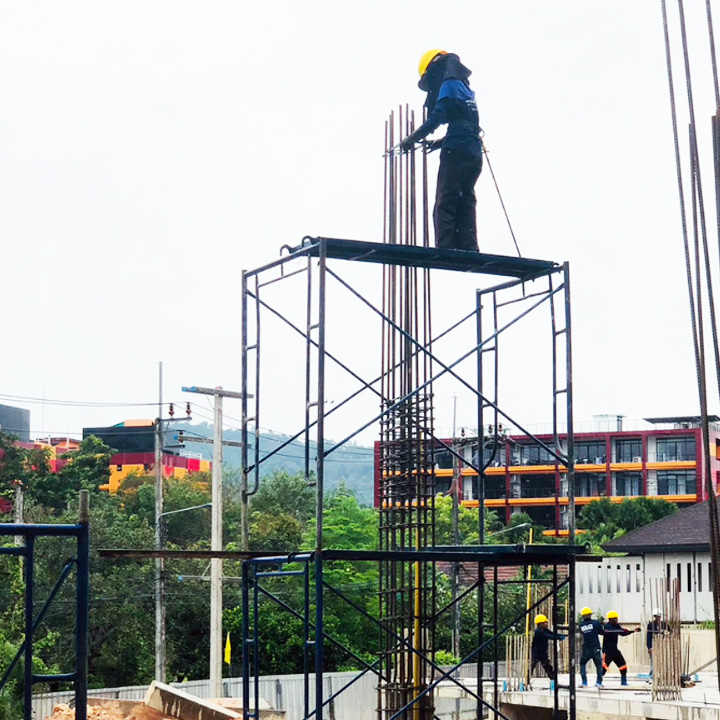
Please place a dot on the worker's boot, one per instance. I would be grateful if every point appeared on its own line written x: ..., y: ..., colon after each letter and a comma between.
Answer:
x: 623, y: 679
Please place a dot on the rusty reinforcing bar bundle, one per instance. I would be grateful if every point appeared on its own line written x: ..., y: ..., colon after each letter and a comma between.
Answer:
x: 407, y: 476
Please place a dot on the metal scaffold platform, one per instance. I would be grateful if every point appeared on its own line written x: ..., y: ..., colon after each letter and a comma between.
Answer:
x: 337, y: 379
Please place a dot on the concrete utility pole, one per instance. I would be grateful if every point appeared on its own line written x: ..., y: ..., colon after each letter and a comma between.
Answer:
x: 160, y: 665
x: 216, y: 539
x: 19, y: 512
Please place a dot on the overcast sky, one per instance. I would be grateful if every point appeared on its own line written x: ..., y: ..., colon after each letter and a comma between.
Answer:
x: 149, y: 151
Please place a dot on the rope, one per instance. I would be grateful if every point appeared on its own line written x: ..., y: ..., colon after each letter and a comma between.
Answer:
x: 512, y: 232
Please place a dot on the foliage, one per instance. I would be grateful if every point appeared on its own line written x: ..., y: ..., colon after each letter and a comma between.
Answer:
x: 282, y: 519
x: 284, y: 494
x: 467, y: 523
x: 86, y: 469
x: 26, y: 466
x: 604, y: 520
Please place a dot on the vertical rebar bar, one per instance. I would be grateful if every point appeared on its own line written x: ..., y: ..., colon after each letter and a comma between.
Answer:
x: 406, y: 478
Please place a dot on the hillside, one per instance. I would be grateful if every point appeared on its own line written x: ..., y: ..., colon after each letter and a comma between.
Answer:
x: 352, y: 464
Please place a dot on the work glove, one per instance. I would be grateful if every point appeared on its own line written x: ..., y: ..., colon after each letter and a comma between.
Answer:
x: 408, y: 143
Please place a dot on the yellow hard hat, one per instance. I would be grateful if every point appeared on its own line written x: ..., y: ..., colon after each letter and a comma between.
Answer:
x: 586, y: 611
x: 540, y: 619
x: 427, y: 58
x: 612, y: 614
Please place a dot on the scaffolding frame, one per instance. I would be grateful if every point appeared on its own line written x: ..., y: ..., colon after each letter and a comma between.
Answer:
x: 311, y: 258
x: 28, y: 533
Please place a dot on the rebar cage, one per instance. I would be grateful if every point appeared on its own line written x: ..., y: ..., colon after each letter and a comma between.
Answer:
x: 412, y: 368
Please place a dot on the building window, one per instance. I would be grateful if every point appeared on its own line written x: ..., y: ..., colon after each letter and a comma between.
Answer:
x: 675, y: 449
x: 629, y: 450
x: 532, y: 455
x: 590, y: 452
x: 637, y: 578
x: 699, y: 576
x: 627, y: 483
x: 590, y: 484
x: 629, y: 579
x: 689, y: 577
x: 676, y: 482
x: 537, y: 486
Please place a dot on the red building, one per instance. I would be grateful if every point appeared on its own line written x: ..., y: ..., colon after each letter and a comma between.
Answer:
x: 665, y: 460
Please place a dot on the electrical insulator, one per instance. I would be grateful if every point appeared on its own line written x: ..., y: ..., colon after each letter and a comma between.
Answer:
x: 171, y: 411
x: 187, y: 409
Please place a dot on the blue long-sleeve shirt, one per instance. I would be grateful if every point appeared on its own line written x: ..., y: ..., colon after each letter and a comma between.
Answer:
x: 540, y: 642
x: 457, y: 108
x: 591, y: 631
x: 654, y: 628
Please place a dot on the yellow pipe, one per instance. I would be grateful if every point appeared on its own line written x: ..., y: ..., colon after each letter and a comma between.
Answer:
x: 416, y: 641
x: 529, y: 588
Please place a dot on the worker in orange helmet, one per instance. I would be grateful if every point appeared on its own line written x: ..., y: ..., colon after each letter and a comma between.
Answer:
x: 451, y: 101
x: 611, y: 653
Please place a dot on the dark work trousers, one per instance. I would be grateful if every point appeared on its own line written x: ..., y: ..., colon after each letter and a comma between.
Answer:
x: 595, y: 655
x: 614, y: 656
x: 547, y: 666
x: 454, y: 215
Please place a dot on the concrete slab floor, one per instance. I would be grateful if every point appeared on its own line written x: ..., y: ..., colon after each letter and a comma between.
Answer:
x: 701, y: 702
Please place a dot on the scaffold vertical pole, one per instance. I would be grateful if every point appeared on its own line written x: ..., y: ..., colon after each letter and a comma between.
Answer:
x: 319, y: 609
x: 570, y: 468
x: 244, y: 521
x: 29, y: 583
x: 82, y: 600
x: 480, y: 492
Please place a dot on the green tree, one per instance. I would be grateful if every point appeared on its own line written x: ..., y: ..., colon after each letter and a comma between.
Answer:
x: 604, y: 520
x: 467, y: 522
x: 284, y: 494
x: 87, y: 469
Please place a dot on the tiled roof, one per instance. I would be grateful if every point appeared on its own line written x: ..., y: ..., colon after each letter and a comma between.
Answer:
x: 468, y: 574
x: 687, y: 530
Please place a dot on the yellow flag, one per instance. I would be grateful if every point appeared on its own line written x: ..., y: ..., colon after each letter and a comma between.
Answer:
x: 227, y: 649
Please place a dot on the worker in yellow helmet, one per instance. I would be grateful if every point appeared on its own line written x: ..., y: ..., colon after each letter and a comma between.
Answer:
x: 611, y: 653
x: 540, y: 645
x: 450, y: 101
x: 590, y: 630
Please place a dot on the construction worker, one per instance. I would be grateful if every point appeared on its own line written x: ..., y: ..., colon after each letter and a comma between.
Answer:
x: 611, y: 653
x: 657, y: 626
x: 540, y: 645
x: 591, y: 631
x: 450, y: 100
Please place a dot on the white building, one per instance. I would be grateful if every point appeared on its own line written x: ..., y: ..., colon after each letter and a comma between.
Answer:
x: 677, y: 546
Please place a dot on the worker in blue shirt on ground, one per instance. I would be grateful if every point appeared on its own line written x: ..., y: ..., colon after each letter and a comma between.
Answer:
x: 611, y: 653
x: 657, y: 626
x: 540, y: 646
x: 450, y: 100
x: 591, y: 631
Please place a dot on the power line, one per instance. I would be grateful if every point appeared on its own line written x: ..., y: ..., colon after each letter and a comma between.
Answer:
x: 75, y: 403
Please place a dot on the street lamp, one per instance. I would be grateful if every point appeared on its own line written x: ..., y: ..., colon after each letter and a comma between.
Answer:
x: 509, y: 529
